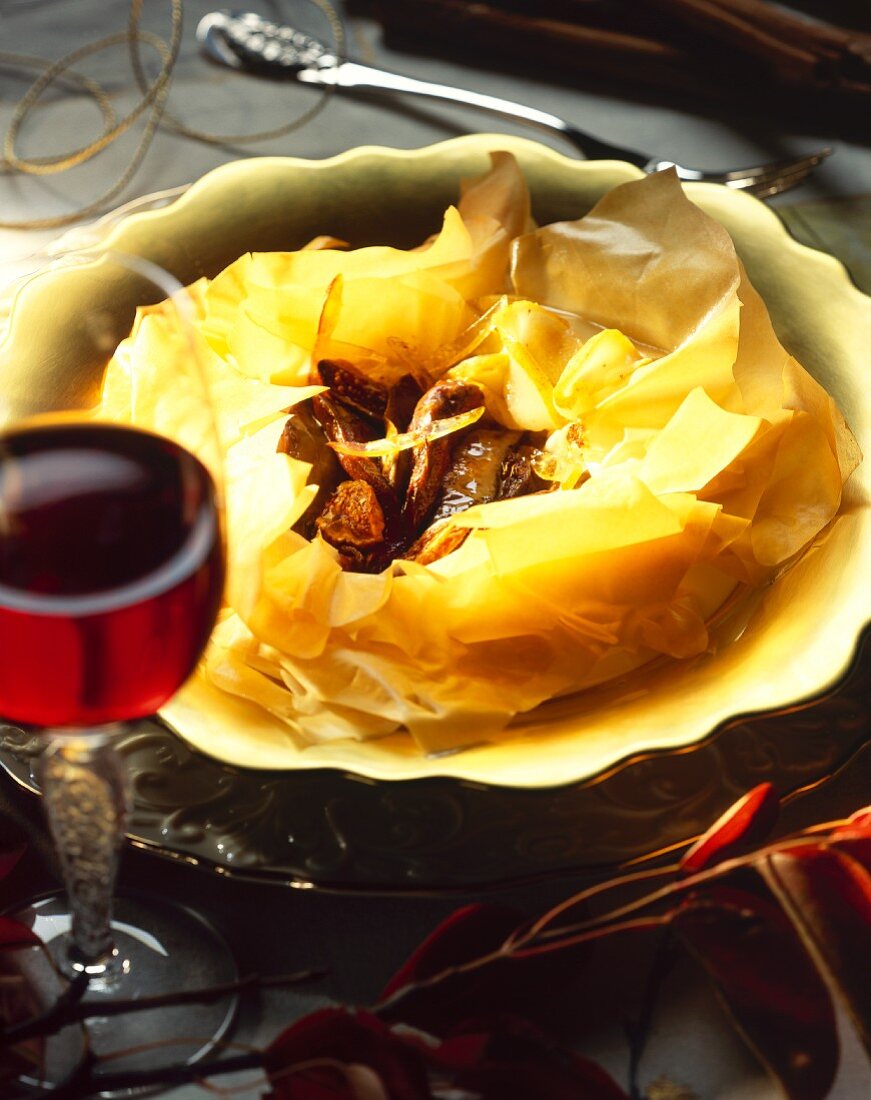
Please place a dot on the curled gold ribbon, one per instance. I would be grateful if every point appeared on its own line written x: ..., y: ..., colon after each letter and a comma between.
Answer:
x: 152, y: 104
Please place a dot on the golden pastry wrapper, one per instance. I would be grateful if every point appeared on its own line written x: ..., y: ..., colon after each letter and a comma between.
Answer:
x: 689, y: 454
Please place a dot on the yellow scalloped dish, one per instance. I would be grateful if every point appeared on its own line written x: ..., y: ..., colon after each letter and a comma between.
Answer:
x: 674, y: 458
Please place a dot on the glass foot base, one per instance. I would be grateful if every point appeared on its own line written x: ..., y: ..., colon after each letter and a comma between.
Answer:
x: 34, y: 1067
x: 162, y: 948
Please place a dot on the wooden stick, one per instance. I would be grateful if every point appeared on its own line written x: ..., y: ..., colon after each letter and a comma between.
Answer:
x: 699, y: 46
x: 797, y: 50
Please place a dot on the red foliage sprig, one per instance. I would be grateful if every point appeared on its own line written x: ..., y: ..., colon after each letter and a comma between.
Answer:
x: 774, y: 927
x: 12, y: 932
x: 17, y: 1001
x: 779, y: 928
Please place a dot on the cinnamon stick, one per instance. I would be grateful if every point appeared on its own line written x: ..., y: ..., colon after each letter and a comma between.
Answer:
x: 482, y: 29
x: 795, y: 49
x: 734, y: 51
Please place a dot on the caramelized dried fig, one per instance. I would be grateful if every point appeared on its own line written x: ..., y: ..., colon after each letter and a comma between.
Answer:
x: 353, y: 388
x: 431, y: 460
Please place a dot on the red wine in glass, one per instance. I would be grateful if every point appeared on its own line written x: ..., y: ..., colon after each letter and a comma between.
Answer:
x: 111, y: 573
x: 111, y: 570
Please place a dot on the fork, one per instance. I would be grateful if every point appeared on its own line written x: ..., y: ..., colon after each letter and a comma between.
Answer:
x: 246, y: 41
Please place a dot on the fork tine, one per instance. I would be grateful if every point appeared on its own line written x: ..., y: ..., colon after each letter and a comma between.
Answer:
x: 773, y: 183
x: 766, y: 173
x: 764, y: 179
x: 764, y: 189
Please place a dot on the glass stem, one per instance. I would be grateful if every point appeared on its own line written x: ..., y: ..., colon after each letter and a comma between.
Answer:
x: 84, y: 789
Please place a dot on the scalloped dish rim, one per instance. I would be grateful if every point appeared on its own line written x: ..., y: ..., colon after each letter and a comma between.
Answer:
x: 806, y: 626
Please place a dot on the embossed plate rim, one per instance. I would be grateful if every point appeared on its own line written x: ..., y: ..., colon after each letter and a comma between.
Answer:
x: 159, y: 846
x: 491, y: 787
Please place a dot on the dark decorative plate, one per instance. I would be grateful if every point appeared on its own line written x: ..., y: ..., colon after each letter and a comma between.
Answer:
x: 681, y: 753
x: 334, y: 830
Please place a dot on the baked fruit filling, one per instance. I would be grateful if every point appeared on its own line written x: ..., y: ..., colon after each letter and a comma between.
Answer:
x: 389, y: 481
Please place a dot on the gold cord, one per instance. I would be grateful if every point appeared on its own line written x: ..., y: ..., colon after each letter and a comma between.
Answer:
x: 153, y: 102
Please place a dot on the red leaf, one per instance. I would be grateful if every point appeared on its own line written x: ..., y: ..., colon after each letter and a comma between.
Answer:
x: 15, y: 934
x: 861, y: 820
x: 857, y: 848
x: 9, y: 856
x: 856, y: 827
x: 350, y: 1038
x: 570, y: 1080
x: 18, y: 1003
x: 827, y: 895
x: 854, y: 837
x: 451, y: 984
x: 12, y: 933
x: 494, y: 984
x: 457, y: 1052
x: 745, y: 824
x: 322, y: 1084
x: 768, y: 983
x: 468, y: 933
x: 516, y: 1061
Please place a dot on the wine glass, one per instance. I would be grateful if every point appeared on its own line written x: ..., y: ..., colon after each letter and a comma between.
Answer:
x: 111, y: 574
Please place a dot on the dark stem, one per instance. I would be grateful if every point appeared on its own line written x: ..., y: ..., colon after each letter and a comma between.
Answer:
x: 638, y: 1029
x: 194, y: 996
x: 94, y: 1084
x: 70, y: 1009
x: 53, y: 1019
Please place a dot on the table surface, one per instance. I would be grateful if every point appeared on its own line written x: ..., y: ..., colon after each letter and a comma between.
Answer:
x: 361, y: 940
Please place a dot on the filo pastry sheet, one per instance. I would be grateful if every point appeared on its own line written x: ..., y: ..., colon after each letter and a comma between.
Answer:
x: 688, y: 455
